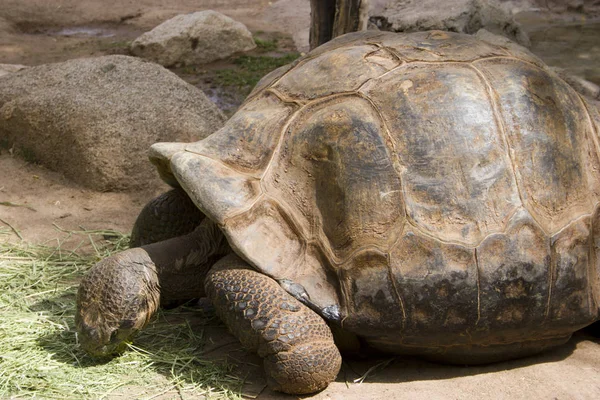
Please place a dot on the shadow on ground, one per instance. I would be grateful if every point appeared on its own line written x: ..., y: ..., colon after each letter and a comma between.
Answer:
x: 403, y: 369
x: 193, y: 335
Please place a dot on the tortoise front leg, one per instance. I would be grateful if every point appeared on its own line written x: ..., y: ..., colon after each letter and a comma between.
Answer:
x: 167, y: 216
x: 295, y: 343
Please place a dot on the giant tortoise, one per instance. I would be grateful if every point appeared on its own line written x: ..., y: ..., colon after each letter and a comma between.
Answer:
x: 427, y: 194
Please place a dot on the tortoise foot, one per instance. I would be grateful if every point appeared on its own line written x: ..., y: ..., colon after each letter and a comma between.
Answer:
x: 295, y: 343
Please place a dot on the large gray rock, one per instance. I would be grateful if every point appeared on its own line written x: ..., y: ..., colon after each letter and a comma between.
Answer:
x: 466, y: 16
x: 95, y: 119
x: 197, y: 38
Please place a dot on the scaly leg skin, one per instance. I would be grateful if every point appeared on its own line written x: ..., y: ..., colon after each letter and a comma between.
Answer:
x: 121, y: 293
x: 167, y: 216
x: 295, y: 343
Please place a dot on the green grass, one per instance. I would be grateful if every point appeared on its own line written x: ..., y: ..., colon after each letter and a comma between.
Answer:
x: 114, y: 45
x: 28, y: 155
x: 39, y: 355
x: 250, y: 69
x: 266, y: 45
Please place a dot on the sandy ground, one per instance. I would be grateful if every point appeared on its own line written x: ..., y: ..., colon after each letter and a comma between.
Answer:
x: 44, y: 202
x: 32, y: 32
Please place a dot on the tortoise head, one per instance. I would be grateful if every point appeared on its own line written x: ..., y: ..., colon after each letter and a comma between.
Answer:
x: 116, y: 299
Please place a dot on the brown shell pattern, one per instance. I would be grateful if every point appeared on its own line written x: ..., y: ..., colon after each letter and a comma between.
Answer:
x: 435, y: 187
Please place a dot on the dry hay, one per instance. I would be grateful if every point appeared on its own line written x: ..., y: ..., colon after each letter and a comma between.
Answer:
x: 39, y: 354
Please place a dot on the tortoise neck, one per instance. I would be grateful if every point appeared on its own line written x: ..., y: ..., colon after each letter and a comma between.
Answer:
x: 183, y: 262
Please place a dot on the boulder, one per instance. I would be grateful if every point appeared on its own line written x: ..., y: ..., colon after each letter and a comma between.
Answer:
x: 196, y: 38
x: 6, y: 69
x: 466, y: 16
x: 94, y: 119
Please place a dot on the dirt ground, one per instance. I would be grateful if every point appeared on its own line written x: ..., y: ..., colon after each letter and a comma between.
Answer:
x: 33, y: 32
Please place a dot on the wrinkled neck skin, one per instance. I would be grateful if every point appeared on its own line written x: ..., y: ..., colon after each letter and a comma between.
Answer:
x: 180, y: 265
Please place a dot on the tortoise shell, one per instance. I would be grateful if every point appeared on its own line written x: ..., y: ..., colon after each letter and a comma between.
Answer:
x: 426, y: 189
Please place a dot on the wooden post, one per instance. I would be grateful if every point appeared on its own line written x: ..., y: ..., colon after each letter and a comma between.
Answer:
x: 322, y: 15
x: 331, y: 18
x: 347, y: 17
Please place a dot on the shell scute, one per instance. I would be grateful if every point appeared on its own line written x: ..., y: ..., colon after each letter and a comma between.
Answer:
x: 306, y: 81
x: 336, y: 172
x: 271, y: 77
x: 437, y: 283
x: 549, y: 135
x: 439, y: 46
x: 370, y: 294
x: 350, y: 39
x: 572, y: 271
x: 216, y: 178
x: 514, y: 277
x: 267, y: 237
x: 246, y: 143
x: 457, y: 177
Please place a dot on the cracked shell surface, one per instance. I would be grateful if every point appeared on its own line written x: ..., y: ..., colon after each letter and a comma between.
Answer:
x: 437, y: 189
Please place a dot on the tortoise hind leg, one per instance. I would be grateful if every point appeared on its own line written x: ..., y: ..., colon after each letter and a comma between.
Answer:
x: 295, y: 343
x: 167, y: 216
